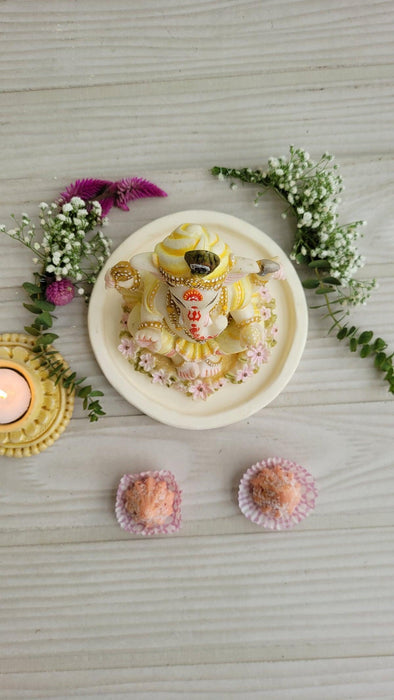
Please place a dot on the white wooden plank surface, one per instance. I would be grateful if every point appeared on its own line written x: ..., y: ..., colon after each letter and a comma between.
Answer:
x: 166, y: 91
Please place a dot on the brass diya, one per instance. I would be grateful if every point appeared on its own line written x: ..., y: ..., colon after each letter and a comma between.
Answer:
x: 51, y: 405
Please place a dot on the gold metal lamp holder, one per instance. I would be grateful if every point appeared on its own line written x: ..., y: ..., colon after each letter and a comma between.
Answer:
x: 51, y: 405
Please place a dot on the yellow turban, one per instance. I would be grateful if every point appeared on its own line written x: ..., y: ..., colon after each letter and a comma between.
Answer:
x: 171, y: 252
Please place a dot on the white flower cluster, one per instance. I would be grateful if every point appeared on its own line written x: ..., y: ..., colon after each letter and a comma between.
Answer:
x: 66, y: 249
x: 313, y: 193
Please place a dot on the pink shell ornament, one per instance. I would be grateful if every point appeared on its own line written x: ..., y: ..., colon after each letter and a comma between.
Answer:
x: 149, y: 503
x: 276, y: 493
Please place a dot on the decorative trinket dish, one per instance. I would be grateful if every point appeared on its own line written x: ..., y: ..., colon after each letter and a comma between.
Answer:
x: 179, y: 315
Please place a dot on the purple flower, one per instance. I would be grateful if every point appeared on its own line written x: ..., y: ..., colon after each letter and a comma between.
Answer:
x: 60, y: 292
x: 111, y: 194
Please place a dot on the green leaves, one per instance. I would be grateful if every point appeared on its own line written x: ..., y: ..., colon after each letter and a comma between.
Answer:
x: 45, y: 339
x: 331, y: 280
x: 31, y: 288
x: 382, y: 361
x: 365, y: 337
x: 320, y: 242
x: 50, y: 359
x: 324, y: 289
x: 312, y: 283
x: 320, y: 264
x: 342, y: 333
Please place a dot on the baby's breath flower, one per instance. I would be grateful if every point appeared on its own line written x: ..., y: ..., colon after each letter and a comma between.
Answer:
x: 313, y: 192
x: 77, y: 202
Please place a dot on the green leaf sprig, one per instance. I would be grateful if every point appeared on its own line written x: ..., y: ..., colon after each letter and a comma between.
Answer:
x: 70, y: 252
x: 311, y: 191
x: 49, y: 358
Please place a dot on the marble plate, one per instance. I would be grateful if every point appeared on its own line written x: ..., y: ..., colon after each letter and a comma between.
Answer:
x: 234, y: 402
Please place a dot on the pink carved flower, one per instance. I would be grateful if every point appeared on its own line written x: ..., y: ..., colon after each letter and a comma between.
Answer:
x: 243, y: 373
x: 258, y: 355
x: 147, y: 361
x: 123, y: 320
x: 160, y: 376
x: 274, y: 331
x: 60, y: 292
x: 127, y: 347
x: 264, y: 294
x: 279, y: 274
x: 219, y: 383
x: 181, y: 387
x: 111, y: 194
x: 199, y: 390
x: 265, y: 313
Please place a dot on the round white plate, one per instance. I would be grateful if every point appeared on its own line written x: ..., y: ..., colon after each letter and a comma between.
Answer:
x: 234, y: 402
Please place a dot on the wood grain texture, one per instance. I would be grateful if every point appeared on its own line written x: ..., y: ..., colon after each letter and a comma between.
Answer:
x: 327, y: 679
x: 201, y: 600
x: 222, y: 610
x: 97, y: 43
x: 341, y: 445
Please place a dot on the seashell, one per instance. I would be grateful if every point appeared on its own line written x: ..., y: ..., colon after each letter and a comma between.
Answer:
x: 149, y: 503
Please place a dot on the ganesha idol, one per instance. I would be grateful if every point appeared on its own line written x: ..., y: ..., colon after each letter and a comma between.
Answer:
x: 195, y: 316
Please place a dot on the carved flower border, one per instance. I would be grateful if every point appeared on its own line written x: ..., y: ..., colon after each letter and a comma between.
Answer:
x: 248, y: 362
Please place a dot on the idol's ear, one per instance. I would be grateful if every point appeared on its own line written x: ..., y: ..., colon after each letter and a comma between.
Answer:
x: 146, y: 262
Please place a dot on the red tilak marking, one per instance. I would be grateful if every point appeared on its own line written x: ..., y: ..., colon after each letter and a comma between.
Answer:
x: 193, y: 295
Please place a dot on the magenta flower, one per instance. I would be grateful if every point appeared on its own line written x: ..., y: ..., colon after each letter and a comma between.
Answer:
x: 60, y: 292
x: 111, y: 194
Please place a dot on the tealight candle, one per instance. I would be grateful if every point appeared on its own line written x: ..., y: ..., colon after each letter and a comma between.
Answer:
x: 15, y: 396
